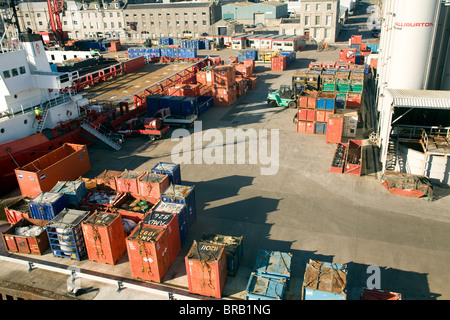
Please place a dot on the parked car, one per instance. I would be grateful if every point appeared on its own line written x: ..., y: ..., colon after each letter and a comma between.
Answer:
x: 375, y: 33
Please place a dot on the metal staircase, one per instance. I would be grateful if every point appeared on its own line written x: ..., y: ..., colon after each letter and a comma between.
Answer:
x: 44, y: 107
x: 106, y: 138
x: 392, y: 155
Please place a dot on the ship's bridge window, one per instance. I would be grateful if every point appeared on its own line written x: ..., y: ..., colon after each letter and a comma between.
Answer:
x: 22, y: 70
x: 6, y: 74
x: 15, y: 72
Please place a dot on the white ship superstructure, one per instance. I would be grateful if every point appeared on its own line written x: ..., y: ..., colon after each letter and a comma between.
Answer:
x: 27, y: 82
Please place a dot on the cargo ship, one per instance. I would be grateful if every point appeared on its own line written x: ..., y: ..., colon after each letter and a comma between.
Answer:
x: 40, y: 108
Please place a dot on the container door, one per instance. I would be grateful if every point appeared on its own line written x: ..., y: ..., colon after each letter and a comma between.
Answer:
x: 10, y: 243
x: 22, y: 245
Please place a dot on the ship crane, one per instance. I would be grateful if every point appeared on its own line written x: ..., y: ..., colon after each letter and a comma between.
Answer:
x: 55, y: 8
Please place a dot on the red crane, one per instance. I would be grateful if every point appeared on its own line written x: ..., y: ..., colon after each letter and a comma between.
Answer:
x: 55, y: 8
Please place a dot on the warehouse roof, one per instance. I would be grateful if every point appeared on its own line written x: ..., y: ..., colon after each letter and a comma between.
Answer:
x: 168, y: 5
x: 426, y: 99
x: 246, y: 4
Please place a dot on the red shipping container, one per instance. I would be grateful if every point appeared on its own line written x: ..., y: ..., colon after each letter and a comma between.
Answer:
x: 148, y: 252
x: 356, y: 39
x: 354, y: 157
x: 152, y: 184
x: 301, y: 126
x: 302, y: 102
x: 33, y: 244
x: 205, y: 77
x: 251, y: 63
x: 224, y: 76
x: 175, y: 91
x: 279, y: 63
x: 224, y: 96
x: 302, y: 114
x: 98, y: 199
x: 17, y: 210
x: 335, y: 125
x: 310, y: 127
x: 310, y: 114
x: 104, y: 237
x: 305, y: 126
x: 128, y: 181
x: 206, y: 269
x: 135, y: 206
x: 252, y: 82
x: 107, y: 179
x: 66, y: 163
x: 323, y: 115
x: 353, y: 101
x: 168, y: 221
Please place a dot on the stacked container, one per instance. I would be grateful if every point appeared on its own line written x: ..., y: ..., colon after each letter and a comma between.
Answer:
x: 224, y: 85
x: 47, y: 205
x: 171, y: 169
x: 153, y: 184
x: 180, y: 211
x: 168, y: 221
x: 314, y: 110
x: 182, y: 195
x: 343, y: 80
x: 104, y: 237
x: 324, y: 281
x: 206, y: 269
x: 350, y: 122
x: 65, y: 234
x: 148, y: 252
x: 73, y: 191
x: 234, y: 249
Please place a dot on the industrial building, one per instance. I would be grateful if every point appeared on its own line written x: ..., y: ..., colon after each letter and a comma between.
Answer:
x: 250, y: 13
x: 413, y: 97
x: 129, y: 22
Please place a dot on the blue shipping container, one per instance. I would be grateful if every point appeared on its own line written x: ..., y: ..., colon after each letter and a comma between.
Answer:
x: 320, y: 128
x: 171, y: 169
x: 324, y: 281
x: 264, y: 287
x: 182, y: 195
x: 175, y: 105
x: 47, y: 205
x: 180, y: 211
x: 153, y: 104
x: 273, y: 263
x: 73, y: 191
x: 204, y: 103
x: 188, y: 106
x: 164, y: 101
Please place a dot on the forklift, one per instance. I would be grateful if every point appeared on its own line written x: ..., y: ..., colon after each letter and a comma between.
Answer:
x: 286, y: 96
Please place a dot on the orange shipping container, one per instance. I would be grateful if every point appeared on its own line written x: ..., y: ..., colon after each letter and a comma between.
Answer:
x: 152, y: 184
x: 205, y: 77
x: 323, y: 115
x: 335, y: 125
x: 148, y: 252
x: 33, y: 244
x: 224, y: 97
x: 104, y: 237
x: 169, y: 221
x: 206, y: 269
x: 107, y: 179
x: 224, y: 76
x: 66, y: 163
x: 128, y: 181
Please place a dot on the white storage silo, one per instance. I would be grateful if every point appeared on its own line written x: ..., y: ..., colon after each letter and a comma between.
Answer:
x: 406, y: 42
